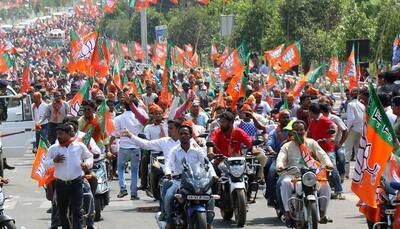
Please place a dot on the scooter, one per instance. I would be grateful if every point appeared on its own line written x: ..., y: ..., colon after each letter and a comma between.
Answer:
x: 191, y: 200
x: 102, y: 191
x: 5, y: 221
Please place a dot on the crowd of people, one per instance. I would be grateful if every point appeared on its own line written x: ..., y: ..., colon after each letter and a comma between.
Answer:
x: 144, y: 122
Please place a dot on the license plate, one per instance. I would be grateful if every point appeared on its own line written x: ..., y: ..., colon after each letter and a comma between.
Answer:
x: 193, y: 197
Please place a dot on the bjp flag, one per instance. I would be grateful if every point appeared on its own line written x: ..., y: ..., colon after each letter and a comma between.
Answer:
x: 231, y: 66
x: 376, y: 147
x: 272, y: 56
x: 333, y: 71
x: 290, y: 57
x: 350, y: 71
x: 39, y: 173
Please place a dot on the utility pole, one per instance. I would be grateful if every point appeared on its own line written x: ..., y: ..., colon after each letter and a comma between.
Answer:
x: 143, y: 33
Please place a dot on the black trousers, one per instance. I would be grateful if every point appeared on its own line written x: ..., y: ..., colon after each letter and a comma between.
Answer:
x: 52, y: 133
x: 70, y: 194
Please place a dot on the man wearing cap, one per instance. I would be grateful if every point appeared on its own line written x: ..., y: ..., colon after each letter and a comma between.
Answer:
x: 261, y: 107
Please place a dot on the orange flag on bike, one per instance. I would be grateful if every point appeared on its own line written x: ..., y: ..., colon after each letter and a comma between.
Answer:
x: 376, y: 147
x: 39, y: 173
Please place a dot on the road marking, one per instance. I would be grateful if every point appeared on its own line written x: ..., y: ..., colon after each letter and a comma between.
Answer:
x: 45, y: 204
x: 10, y: 204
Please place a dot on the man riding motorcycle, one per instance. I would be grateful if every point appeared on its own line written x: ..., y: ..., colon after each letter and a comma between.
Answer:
x: 227, y: 139
x: 174, y: 167
x: 291, y: 155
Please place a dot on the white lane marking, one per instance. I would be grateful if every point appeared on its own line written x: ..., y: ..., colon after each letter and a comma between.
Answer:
x: 10, y: 204
x: 45, y: 204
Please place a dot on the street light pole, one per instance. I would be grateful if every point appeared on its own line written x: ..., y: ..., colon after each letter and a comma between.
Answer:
x: 143, y: 33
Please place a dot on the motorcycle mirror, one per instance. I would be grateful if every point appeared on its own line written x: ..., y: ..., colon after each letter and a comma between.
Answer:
x: 205, y: 135
x: 257, y: 142
x: 210, y: 144
x: 142, y: 136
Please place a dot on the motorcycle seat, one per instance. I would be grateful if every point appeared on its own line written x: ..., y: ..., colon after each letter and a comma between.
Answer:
x: 395, y: 185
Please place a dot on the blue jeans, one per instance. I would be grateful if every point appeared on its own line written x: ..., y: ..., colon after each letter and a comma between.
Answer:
x: 125, y: 155
x: 271, y: 179
x: 166, y: 184
x: 335, y: 177
x: 341, y: 161
x: 169, y: 198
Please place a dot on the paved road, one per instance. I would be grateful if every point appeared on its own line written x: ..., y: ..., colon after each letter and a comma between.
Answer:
x: 27, y: 204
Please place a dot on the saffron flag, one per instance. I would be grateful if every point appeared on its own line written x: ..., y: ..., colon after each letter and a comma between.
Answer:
x: 178, y: 55
x: 299, y: 86
x: 203, y: 2
x: 117, y: 76
x: 396, y: 53
x: 141, y: 4
x: 39, y: 173
x: 106, y: 121
x: 223, y: 56
x: 350, y: 71
x: 188, y: 50
x: 214, y: 52
x: 160, y: 53
x: 376, y: 147
x: 175, y: 2
x: 110, y: 6
x: 333, y: 71
x: 138, y: 51
x: 231, y: 66
x: 272, y: 56
x: 82, y: 94
x: 166, y: 91
x: 237, y: 89
x: 25, y: 79
x: 84, y: 55
x: 290, y: 57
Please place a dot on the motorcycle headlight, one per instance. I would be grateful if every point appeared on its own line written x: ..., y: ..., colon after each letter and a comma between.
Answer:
x: 237, y: 170
x: 309, y: 179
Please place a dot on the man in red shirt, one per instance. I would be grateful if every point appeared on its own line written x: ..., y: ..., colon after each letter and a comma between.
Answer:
x: 322, y: 130
x: 227, y: 139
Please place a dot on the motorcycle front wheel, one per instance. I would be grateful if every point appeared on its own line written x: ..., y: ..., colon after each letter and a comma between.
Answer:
x: 199, y: 220
x: 312, y: 220
x: 240, y: 207
x: 8, y: 225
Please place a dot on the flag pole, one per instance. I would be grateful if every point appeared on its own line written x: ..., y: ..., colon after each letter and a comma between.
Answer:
x: 143, y: 33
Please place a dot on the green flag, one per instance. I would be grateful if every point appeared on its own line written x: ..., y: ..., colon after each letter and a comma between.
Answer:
x: 313, y: 75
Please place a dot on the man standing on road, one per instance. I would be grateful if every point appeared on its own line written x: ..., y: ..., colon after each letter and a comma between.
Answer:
x: 38, y: 109
x: 125, y: 124
x: 66, y: 156
x: 355, y: 122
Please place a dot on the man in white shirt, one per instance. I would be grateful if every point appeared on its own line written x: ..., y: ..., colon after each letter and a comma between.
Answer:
x: 261, y: 107
x: 149, y: 96
x: 355, y: 121
x: 124, y: 124
x: 192, y: 154
x: 66, y: 157
x: 39, y: 108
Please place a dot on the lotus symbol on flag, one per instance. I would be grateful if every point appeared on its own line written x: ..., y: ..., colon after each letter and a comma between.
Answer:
x: 352, y: 70
x: 87, y: 48
x: 289, y: 55
x: 361, y: 166
x: 228, y: 62
x: 276, y: 53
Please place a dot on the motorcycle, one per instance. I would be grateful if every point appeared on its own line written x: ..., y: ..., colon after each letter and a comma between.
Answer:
x: 304, y: 204
x: 102, y: 188
x: 5, y: 220
x: 388, y: 200
x: 191, y: 200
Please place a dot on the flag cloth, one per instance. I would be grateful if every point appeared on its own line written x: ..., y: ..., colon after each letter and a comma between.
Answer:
x: 231, y: 66
x: 117, y: 76
x: 154, y: 2
x: 188, y: 50
x: 166, y: 91
x: 86, y: 49
x: 138, y: 51
x: 25, y: 79
x: 313, y: 74
x: 175, y: 2
x: 39, y: 173
x: 99, y: 62
x: 376, y: 147
x: 214, y: 52
x: 141, y: 4
x: 106, y: 121
x: 272, y: 56
x: 82, y: 94
x: 204, y: 2
x: 271, y: 79
x: 350, y: 71
x: 110, y: 6
x: 290, y: 57
x: 132, y: 3
x: 333, y: 71
x: 237, y: 89
x: 223, y: 56
x: 298, y: 87
x: 178, y: 55
x: 160, y: 53
x: 396, y: 53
